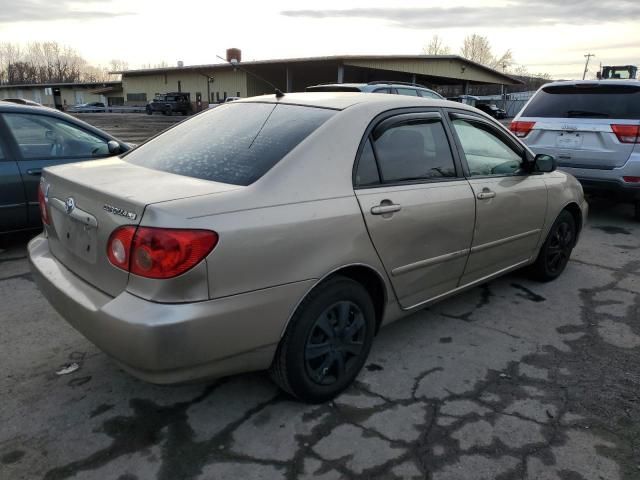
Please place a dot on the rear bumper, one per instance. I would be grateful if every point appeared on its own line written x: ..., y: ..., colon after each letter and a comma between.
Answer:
x: 598, y: 180
x: 170, y: 343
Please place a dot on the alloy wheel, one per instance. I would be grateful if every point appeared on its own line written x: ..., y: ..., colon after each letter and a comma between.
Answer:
x: 559, y: 248
x: 335, y: 342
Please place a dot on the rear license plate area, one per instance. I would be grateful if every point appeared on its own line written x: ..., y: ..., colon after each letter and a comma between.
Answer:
x: 569, y: 140
x: 78, y: 238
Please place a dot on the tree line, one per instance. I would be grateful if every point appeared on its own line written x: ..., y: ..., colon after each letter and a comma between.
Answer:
x: 477, y: 48
x: 51, y: 62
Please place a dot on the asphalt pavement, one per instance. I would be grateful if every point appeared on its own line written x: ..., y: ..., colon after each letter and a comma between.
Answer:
x: 511, y: 380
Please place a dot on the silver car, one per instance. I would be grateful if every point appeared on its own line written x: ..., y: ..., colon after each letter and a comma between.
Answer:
x: 593, y: 129
x: 282, y: 233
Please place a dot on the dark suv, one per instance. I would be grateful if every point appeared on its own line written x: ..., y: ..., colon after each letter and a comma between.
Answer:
x: 170, y: 103
x: 492, y: 110
x: 32, y: 138
x: 396, y: 88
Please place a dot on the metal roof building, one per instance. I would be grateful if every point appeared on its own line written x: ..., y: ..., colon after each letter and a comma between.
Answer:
x: 213, y: 83
x: 60, y: 95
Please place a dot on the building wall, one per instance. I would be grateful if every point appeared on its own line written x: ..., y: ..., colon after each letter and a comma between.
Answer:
x: 68, y: 95
x: 446, y: 67
x: 190, y: 82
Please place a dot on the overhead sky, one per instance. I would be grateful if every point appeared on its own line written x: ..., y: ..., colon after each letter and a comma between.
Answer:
x: 549, y: 36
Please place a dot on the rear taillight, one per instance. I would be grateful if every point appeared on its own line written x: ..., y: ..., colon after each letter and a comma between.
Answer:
x: 631, y: 179
x: 521, y: 129
x: 627, y: 133
x: 42, y: 201
x: 159, y: 252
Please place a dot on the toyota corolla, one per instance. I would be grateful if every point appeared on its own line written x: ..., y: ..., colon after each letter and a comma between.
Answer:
x: 281, y: 233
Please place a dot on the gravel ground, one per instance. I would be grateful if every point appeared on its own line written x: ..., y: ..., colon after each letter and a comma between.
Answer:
x: 511, y: 380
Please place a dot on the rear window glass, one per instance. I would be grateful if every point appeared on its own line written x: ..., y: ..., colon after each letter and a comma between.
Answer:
x: 591, y: 101
x: 234, y: 143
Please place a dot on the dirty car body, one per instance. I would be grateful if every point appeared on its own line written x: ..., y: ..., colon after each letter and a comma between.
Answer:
x: 287, y: 236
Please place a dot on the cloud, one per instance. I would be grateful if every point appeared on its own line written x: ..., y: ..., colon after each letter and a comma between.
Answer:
x: 12, y: 11
x: 511, y: 14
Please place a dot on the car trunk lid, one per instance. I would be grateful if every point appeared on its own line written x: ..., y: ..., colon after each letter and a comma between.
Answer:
x: 89, y: 200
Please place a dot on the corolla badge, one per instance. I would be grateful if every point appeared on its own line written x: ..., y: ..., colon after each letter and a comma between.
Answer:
x: 119, y: 211
x: 69, y: 205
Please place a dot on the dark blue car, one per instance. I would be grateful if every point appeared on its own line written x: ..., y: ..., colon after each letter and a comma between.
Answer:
x: 32, y: 138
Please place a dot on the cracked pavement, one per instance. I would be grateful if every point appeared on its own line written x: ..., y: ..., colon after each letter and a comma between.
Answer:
x: 511, y: 380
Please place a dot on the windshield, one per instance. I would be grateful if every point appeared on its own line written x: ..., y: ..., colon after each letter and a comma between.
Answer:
x: 586, y: 101
x: 234, y: 143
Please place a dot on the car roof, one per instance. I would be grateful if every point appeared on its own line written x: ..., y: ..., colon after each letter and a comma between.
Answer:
x: 24, y: 108
x: 8, y: 107
x: 632, y: 82
x: 373, y: 85
x: 343, y: 100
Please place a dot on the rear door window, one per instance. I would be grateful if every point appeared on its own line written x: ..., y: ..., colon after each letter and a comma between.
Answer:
x: 414, y: 151
x: 367, y: 172
x: 234, y: 143
x: 586, y: 101
x: 427, y: 94
x: 411, y: 92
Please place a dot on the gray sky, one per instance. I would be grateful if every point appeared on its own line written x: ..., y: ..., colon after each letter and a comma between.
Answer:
x: 545, y: 35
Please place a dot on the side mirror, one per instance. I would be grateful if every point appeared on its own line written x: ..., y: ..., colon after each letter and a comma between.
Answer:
x: 544, y: 163
x: 114, y: 147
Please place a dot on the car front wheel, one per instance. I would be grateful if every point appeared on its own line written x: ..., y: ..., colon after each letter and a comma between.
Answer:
x: 556, y: 250
x: 327, y: 341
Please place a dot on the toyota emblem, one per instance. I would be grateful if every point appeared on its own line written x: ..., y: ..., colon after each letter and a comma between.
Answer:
x: 69, y: 205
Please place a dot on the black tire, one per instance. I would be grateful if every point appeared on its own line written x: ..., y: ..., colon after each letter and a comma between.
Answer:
x: 556, y: 250
x: 319, y: 356
x: 149, y: 111
x: 168, y: 112
x: 636, y: 213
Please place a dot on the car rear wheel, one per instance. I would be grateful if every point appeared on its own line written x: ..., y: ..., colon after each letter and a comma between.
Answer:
x: 327, y: 341
x: 556, y: 250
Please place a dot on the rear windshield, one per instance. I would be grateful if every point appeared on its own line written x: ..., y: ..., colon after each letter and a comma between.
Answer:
x: 586, y: 101
x: 234, y: 143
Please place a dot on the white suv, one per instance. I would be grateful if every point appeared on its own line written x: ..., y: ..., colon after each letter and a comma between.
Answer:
x: 593, y: 130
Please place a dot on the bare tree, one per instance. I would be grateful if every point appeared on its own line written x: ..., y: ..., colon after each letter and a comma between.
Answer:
x: 436, y: 47
x: 46, y: 62
x: 477, y: 48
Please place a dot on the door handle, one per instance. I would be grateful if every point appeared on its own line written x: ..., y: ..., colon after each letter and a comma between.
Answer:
x: 385, y: 208
x: 34, y: 171
x: 486, y: 193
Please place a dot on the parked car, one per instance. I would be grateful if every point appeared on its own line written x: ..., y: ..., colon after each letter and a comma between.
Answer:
x: 92, y: 107
x: 593, y: 129
x: 170, y: 103
x: 282, y: 232
x: 492, y: 110
x: 32, y: 138
x: 22, y: 101
x: 397, y: 88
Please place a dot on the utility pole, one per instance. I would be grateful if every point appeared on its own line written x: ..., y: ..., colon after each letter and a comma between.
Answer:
x: 586, y: 65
